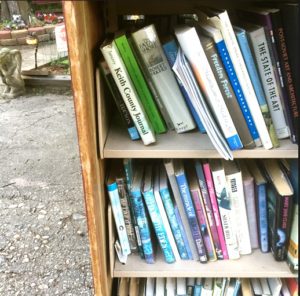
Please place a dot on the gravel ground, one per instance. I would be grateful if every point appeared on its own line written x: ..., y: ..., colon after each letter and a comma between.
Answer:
x: 43, y: 237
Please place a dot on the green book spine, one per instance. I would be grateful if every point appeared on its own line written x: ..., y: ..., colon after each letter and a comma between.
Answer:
x: 140, y: 84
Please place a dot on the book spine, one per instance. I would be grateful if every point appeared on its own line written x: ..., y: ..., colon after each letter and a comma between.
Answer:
x: 293, y: 247
x: 265, y: 68
x: 151, y: 52
x: 193, y: 50
x: 228, y: 93
x: 252, y: 70
x: 133, y: 133
x: 226, y: 214
x: 159, y: 227
x: 191, y: 215
x: 215, y: 208
x: 209, y: 210
x: 142, y: 221
x: 262, y: 212
x: 140, y: 84
x: 118, y: 217
x: 237, y: 198
x: 171, y: 51
x: 244, y: 79
x: 203, y: 224
x: 128, y: 92
x: 124, y: 200
x: 169, y: 207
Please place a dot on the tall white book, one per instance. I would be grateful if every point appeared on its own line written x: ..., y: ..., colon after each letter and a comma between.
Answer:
x: 127, y: 90
x: 154, y: 61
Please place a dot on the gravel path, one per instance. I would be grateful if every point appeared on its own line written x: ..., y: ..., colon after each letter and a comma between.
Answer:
x: 43, y: 237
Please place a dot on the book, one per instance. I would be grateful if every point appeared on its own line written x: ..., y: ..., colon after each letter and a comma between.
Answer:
x: 150, y: 287
x: 225, y: 208
x: 190, y: 283
x: 116, y: 95
x: 260, y: 183
x: 200, y: 211
x: 171, y: 50
x: 140, y: 214
x: 139, y: 82
x: 237, y: 200
x: 293, y: 245
x: 114, y: 198
x: 292, y: 284
x: 261, y: 52
x: 170, y: 212
x: 256, y: 286
x: 284, y: 289
x: 265, y: 287
x: 220, y: 19
x: 181, y: 287
x: 275, y: 285
x: 208, y: 209
x: 160, y: 286
x: 191, y: 46
x: 126, y: 88
x: 198, y: 287
x: 217, y: 53
x: 189, y: 208
x: 218, y: 285
x: 233, y: 287
x: 155, y: 215
x: 280, y: 198
x: 249, y: 193
x: 123, y: 287
x: 170, y: 286
x: 246, y: 287
x: 134, y: 286
x: 169, y: 166
x: 215, y: 207
x: 151, y: 54
x: 207, y: 287
x: 242, y: 39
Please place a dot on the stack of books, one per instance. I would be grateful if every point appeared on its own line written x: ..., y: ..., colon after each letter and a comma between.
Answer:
x: 205, y: 210
x: 234, y: 82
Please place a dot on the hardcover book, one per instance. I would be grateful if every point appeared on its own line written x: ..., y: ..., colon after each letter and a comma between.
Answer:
x: 275, y: 285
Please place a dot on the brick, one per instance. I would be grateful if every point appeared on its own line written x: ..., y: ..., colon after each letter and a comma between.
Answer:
x: 22, y: 41
x: 37, y: 31
x: 19, y: 34
x: 5, y: 35
x: 8, y: 42
x: 49, y: 28
x: 44, y: 37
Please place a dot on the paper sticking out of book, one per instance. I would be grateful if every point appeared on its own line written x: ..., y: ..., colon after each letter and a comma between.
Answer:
x: 121, y: 256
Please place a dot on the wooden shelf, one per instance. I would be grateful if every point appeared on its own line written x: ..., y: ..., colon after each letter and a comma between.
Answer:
x: 187, y: 145
x: 257, y: 265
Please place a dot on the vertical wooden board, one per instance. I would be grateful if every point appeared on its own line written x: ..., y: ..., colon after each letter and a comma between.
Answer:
x: 83, y: 32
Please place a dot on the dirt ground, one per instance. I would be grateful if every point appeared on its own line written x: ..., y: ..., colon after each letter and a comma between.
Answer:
x: 44, y: 247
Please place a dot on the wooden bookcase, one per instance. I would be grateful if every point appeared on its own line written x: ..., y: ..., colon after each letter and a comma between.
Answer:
x: 86, y: 23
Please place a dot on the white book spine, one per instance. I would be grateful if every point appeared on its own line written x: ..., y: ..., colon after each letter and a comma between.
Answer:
x: 128, y: 92
x: 151, y: 52
x: 266, y: 72
x: 170, y: 286
x: 193, y: 50
x: 181, y: 286
x: 244, y: 79
x: 160, y: 287
x: 237, y: 197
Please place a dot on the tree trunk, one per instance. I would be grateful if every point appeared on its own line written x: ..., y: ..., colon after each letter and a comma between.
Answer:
x: 24, y: 10
x: 5, y: 15
x: 17, y: 7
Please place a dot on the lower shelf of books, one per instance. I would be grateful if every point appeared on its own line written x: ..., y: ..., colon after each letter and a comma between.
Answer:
x: 255, y: 265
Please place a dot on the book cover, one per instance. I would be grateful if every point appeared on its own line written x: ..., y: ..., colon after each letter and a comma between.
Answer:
x: 189, y: 209
x: 123, y: 110
x: 171, y: 286
x: 237, y: 200
x: 225, y: 208
x: 218, y: 284
x: 292, y: 284
x: 265, y: 287
x: 150, y: 287
x: 280, y: 199
x: 246, y: 287
x: 256, y: 286
x: 140, y: 214
x: 134, y: 286
x: 171, y: 50
x: 155, y: 215
x: 208, y: 287
x: 169, y: 166
x: 160, y: 286
x: 126, y: 88
x: 249, y: 193
x: 181, y: 287
x: 208, y: 209
x: 147, y: 43
x: 260, y: 184
x: 284, y: 289
x: 275, y: 285
x: 193, y: 50
x: 242, y: 39
x: 170, y: 212
x: 190, y: 283
x: 198, y: 287
x: 221, y: 20
x: 261, y: 51
x: 227, y: 91
x: 123, y: 287
x: 200, y: 211
x: 215, y: 207
x: 140, y: 83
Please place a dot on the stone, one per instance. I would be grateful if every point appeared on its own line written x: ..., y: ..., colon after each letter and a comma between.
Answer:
x: 8, y: 42
x: 77, y: 216
x: 44, y: 37
x: 5, y: 35
x: 19, y: 34
x: 36, y: 30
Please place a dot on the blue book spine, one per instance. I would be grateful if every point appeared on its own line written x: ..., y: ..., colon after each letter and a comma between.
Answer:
x: 191, y: 214
x: 223, y: 52
x: 262, y: 217
x: 171, y: 49
x: 142, y: 222
x: 197, y: 290
x: 186, y: 242
x: 169, y: 207
x: 158, y: 225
